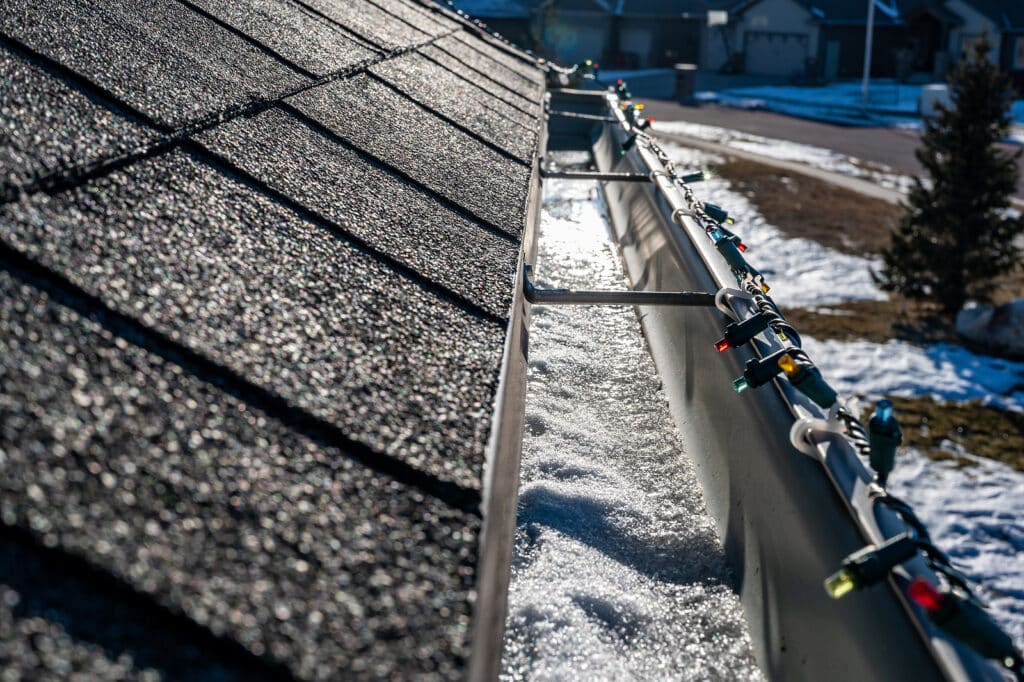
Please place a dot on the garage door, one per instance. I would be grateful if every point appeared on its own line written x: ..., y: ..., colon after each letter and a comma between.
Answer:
x: 776, y: 54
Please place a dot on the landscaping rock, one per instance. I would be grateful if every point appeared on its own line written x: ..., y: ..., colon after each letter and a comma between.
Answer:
x: 998, y: 330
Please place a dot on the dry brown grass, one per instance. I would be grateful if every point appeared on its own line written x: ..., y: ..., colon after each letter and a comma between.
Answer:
x: 802, y: 206
x: 877, y: 321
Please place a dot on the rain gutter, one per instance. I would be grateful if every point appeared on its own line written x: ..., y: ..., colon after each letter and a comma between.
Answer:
x: 787, y: 519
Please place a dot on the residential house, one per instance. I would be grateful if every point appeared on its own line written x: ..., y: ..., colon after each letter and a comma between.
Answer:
x: 825, y: 39
x: 616, y: 33
x: 1002, y: 21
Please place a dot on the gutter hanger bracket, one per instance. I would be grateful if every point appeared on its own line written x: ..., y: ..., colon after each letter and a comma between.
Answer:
x: 698, y: 299
x: 591, y: 175
x: 585, y: 117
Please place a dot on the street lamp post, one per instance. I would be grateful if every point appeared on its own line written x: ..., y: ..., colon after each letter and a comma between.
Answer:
x: 868, y: 36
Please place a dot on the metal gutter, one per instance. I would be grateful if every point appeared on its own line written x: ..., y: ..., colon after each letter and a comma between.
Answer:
x: 787, y: 519
x: 501, y: 465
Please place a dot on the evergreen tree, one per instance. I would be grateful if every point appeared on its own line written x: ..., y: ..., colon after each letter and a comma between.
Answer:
x: 955, y: 239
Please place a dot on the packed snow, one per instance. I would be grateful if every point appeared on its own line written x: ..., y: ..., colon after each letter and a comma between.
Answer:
x: 899, y: 368
x: 974, y: 509
x: 618, y: 572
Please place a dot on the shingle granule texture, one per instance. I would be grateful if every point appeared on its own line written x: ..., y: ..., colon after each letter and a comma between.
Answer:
x: 484, y: 81
x: 431, y: 151
x: 256, y: 267
x: 171, y: 64
x: 227, y: 272
x: 438, y: 88
x: 500, y: 55
x: 469, y: 50
x: 326, y: 47
x: 372, y: 23
x: 48, y: 126
x: 209, y: 506
x: 384, y: 210
x: 432, y: 23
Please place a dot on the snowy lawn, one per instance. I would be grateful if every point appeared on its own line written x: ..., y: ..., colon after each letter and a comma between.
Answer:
x: 975, y: 511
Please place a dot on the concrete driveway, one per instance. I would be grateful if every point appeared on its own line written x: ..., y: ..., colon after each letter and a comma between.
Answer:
x: 894, y: 148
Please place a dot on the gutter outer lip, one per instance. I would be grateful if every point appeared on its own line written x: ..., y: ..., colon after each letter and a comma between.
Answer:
x: 500, y: 485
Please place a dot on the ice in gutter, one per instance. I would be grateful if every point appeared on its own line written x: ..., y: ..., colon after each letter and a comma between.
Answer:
x: 618, y: 571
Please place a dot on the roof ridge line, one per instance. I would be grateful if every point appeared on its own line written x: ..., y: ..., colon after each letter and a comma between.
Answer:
x: 90, y: 306
x: 320, y: 128
x: 450, y: 121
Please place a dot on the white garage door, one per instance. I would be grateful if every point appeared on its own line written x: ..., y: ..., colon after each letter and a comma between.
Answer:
x: 776, y: 54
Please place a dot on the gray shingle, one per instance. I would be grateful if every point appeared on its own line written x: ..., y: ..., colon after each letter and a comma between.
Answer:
x: 33, y: 647
x: 234, y: 276
x: 424, y: 20
x: 247, y: 379
x: 300, y: 36
x: 494, y: 59
x: 482, y: 80
x: 383, y: 210
x: 466, y: 49
x: 370, y: 22
x: 218, y: 510
x: 49, y: 126
x: 166, y: 61
x: 375, y: 118
x: 499, y: 54
x: 438, y: 88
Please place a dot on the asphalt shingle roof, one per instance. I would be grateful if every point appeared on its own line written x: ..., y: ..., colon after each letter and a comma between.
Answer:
x: 255, y: 273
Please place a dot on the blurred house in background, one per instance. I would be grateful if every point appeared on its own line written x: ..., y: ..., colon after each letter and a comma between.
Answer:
x: 796, y: 40
x: 619, y: 34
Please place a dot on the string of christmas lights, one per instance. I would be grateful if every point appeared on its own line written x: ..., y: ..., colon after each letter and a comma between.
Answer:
x: 952, y: 607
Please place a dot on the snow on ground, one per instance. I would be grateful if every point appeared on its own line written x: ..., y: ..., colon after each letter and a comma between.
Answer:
x: 975, y: 513
x: 801, y: 272
x: 902, y: 369
x: 618, y: 572
x: 809, y: 155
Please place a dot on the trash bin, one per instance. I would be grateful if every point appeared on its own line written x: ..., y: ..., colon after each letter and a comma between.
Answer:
x: 686, y: 83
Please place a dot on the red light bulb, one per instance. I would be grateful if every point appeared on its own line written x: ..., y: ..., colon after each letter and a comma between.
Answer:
x: 924, y: 594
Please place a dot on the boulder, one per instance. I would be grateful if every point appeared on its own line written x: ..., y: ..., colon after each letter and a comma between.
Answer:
x: 998, y: 330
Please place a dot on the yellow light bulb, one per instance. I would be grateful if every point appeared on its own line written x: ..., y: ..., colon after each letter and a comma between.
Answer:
x: 639, y: 107
x: 787, y: 365
x: 839, y: 584
x: 765, y: 288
